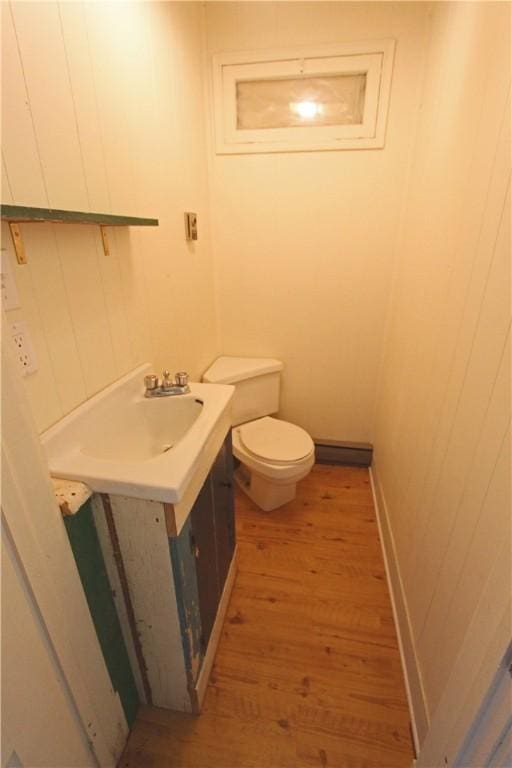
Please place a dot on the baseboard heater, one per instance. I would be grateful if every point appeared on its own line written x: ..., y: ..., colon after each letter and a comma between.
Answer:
x: 336, y: 452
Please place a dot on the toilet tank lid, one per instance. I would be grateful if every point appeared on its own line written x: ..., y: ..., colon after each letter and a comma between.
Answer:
x: 228, y: 370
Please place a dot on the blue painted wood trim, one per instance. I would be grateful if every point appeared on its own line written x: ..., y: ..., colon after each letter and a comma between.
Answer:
x: 187, y: 597
x: 85, y: 545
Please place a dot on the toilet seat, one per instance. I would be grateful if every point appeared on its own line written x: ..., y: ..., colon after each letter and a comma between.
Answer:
x: 271, y: 482
x: 283, y: 472
x: 272, y: 456
x: 275, y: 441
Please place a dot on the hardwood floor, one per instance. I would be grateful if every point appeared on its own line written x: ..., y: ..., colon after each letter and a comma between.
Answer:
x: 308, y: 670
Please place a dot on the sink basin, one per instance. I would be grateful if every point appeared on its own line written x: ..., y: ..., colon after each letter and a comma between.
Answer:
x: 123, y: 443
x: 138, y: 430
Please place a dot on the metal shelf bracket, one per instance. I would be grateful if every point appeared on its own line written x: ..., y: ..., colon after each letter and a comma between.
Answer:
x: 17, y: 240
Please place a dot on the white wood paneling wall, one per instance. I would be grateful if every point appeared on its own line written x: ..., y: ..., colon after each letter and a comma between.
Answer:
x: 65, y: 640
x: 28, y: 665
x: 103, y: 111
x: 442, y: 447
x: 304, y: 241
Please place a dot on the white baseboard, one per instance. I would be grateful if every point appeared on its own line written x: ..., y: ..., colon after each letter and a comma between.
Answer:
x: 204, y: 674
x: 412, y: 676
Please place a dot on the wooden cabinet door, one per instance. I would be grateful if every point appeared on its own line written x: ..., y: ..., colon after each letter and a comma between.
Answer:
x: 224, y: 510
x: 202, y: 534
x: 213, y: 536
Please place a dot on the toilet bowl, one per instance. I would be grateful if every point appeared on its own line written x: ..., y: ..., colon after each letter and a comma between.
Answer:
x: 274, y: 455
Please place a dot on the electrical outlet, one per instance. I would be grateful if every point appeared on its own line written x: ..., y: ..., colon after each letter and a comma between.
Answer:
x: 24, y: 351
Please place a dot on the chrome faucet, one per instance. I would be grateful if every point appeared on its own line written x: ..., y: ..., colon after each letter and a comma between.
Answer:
x: 167, y: 386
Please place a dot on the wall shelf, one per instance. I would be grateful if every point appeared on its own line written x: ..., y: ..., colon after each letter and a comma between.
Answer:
x: 21, y: 214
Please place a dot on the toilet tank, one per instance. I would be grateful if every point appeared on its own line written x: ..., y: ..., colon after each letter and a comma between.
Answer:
x: 256, y: 381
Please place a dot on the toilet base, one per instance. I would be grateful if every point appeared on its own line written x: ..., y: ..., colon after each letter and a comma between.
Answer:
x: 266, y: 494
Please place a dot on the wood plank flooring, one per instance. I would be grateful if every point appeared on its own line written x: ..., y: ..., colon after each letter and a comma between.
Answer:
x: 308, y: 670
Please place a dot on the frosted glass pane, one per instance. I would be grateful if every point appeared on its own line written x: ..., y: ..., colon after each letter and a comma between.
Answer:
x: 300, y: 101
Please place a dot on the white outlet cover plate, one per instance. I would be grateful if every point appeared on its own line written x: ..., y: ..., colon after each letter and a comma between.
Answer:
x: 23, y: 348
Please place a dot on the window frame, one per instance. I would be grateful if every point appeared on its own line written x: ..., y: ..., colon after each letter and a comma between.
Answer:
x: 375, y: 58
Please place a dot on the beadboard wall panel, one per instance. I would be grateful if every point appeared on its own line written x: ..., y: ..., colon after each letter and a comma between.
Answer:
x: 77, y: 46
x: 59, y: 739
x: 304, y: 241
x: 38, y: 30
x: 5, y: 185
x: 112, y: 121
x: 19, y: 147
x: 442, y: 452
x: 33, y: 523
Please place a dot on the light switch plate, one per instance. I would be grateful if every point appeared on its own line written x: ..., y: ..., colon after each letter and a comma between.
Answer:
x: 191, y: 225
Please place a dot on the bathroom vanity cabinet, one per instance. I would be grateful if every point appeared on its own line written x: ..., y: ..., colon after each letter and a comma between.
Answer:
x: 171, y: 572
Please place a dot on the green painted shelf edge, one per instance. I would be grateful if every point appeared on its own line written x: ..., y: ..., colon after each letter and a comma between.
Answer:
x: 23, y: 214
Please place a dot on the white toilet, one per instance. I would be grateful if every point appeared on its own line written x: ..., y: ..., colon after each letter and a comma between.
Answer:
x: 274, y: 454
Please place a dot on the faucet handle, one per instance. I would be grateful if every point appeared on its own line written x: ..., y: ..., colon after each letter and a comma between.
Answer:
x: 151, y: 381
x: 182, y: 378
